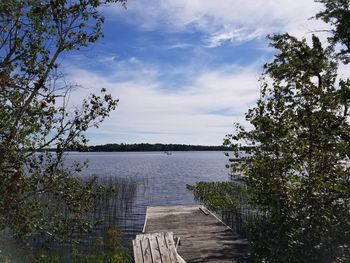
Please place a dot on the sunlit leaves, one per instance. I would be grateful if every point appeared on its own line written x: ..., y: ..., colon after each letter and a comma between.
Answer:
x: 38, y: 193
x: 297, y: 145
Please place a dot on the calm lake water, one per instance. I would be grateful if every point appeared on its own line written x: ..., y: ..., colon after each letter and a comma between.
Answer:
x: 156, y: 179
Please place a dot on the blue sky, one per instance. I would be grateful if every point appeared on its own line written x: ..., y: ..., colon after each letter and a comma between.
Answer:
x: 186, y: 70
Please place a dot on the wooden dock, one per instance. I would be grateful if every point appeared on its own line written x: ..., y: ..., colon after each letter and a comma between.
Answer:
x: 203, y: 237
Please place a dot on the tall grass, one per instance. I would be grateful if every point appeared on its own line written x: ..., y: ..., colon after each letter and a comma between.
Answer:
x: 230, y: 201
x: 106, y: 242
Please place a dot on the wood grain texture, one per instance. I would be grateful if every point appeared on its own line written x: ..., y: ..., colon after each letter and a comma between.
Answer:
x: 203, y: 237
x: 146, y: 250
x: 155, y: 248
x: 163, y: 248
x: 137, y: 251
x: 156, y: 256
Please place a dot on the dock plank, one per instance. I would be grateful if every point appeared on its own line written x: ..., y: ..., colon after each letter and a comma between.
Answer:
x: 146, y: 249
x: 137, y: 251
x: 156, y: 257
x: 169, y: 240
x: 203, y: 237
x: 156, y: 248
x: 163, y: 249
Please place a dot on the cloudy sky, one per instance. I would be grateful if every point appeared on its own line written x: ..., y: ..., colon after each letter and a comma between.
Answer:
x: 186, y: 70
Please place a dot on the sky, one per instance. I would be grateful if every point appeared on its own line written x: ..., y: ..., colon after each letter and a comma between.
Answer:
x: 184, y: 71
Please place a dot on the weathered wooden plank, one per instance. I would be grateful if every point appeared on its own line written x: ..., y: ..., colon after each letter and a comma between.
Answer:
x: 203, y: 237
x: 177, y: 241
x: 169, y: 240
x: 155, y: 249
x: 137, y: 251
x: 142, y: 236
x: 204, y: 210
x: 146, y: 250
x: 163, y: 248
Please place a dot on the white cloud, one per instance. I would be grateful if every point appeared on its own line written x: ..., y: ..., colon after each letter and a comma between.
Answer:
x: 203, y: 111
x: 241, y: 34
x: 179, y: 45
x: 149, y: 113
x: 238, y: 20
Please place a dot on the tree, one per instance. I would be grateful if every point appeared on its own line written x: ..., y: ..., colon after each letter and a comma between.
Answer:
x: 337, y: 14
x: 38, y: 194
x: 300, y: 137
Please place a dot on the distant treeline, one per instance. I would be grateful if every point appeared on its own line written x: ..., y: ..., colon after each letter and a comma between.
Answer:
x: 146, y: 147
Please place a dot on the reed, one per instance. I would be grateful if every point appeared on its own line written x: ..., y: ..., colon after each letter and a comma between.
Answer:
x: 230, y: 201
x: 112, y: 210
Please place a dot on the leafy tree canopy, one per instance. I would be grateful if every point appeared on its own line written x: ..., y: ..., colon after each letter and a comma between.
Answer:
x: 153, y: 147
x: 295, y: 174
x: 38, y: 194
x: 337, y: 14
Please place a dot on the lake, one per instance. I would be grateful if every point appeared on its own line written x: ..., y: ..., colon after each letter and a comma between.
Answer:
x: 152, y: 179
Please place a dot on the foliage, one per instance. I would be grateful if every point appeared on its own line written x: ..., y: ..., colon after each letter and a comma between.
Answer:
x: 220, y: 195
x: 299, y: 139
x: 153, y: 147
x: 337, y: 14
x: 38, y: 194
x: 108, y: 248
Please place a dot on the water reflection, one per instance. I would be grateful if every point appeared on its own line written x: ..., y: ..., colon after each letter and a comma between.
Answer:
x: 149, y: 179
x: 140, y: 179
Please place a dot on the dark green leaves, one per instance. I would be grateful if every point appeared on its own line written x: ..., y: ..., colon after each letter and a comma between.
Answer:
x: 336, y: 13
x: 38, y: 193
x: 297, y: 145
